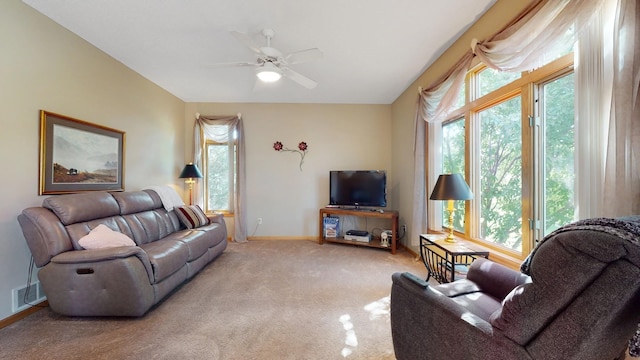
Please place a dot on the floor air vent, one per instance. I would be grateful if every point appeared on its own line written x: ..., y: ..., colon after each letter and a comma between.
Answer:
x: 24, y: 297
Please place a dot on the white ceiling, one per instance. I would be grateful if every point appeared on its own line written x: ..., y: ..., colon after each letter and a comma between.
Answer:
x: 373, y: 49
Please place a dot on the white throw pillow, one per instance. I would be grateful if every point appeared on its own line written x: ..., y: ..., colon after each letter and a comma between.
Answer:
x: 102, y: 237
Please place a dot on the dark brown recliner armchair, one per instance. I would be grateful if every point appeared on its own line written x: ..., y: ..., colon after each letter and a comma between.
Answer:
x: 581, y: 301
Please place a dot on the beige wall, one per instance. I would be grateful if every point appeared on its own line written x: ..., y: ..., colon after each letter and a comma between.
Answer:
x: 43, y: 66
x: 339, y: 137
x: 403, y: 109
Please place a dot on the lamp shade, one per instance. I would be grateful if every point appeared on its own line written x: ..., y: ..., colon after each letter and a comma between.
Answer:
x: 190, y: 171
x: 451, y: 187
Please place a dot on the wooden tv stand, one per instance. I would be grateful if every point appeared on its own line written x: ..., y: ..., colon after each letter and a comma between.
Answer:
x: 386, y: 214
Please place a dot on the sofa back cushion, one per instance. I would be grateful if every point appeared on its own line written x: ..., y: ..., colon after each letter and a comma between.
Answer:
x: 103, y: 237
x: 75, y: 208
x: 78, y: 230
x: 145, y: 216
x: 599, y: 323
x: 149, y: 226
x: 131, y: 202
x: 563, y: 267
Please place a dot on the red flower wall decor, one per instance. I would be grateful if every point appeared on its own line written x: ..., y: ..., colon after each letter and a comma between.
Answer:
x: 302, y: 150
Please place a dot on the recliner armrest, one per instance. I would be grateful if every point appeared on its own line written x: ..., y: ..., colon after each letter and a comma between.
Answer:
x: 427, y: 323
x: 98, y: 255
x: 495, y: 279
x: 431, y: 296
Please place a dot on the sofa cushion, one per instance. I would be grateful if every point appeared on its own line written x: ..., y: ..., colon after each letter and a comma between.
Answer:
x: 198, y: 242
x: 457, y: 288
x: 102, y: 237
x: 166, y: 257
x: 479, y: 304
x: 191, y: 216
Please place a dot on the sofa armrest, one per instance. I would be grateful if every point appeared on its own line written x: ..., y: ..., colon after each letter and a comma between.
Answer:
x: 216, y: 218
x: 99, y: 255
x: 495, y: 279
x: 425, y: 321
x: 44, y: 233
x: 102, y: 282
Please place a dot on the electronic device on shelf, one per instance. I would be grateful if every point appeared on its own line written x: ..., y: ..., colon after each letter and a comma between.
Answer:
x: 357, y: 235
x: 358, y: 232
x: 358, y: 188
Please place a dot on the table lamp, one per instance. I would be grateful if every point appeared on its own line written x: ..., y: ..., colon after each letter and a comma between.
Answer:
x: 451, y: 187
x: 190, y: 172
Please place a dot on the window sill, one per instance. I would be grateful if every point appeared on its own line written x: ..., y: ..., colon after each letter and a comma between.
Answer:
x: 214, y: 213
x: 495, y: 255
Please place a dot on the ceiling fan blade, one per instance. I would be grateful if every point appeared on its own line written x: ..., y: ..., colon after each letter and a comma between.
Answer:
x: 233, y: 64
x: 247, y: 41
x: 299, y: 78
x: 303, y: 56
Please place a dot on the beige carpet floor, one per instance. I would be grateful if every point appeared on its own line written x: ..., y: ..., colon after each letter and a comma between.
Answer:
x: 259, y: 300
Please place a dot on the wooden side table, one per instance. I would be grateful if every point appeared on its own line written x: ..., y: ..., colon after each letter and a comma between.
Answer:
x: 447, y: 261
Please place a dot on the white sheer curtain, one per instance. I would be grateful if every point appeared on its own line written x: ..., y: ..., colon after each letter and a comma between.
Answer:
x: 432, y: 106
x: 418, y: 221
x: 593, y: 71
x: 521, y: 46
x: 622, y: 178
x: 222, y: 129
x: 436, y: 101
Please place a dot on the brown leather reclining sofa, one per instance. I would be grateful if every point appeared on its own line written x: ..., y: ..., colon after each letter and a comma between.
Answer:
x: 115, y: 281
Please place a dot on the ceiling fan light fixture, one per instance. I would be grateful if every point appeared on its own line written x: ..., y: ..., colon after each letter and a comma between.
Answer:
x: 268, y: 73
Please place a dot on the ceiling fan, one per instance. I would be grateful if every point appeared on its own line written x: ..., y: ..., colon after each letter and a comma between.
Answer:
x: 271, y: 64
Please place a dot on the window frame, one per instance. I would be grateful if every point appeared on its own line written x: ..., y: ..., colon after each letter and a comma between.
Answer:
x: 538, y: 177
x: 525, y: 87
x: 233, y: 172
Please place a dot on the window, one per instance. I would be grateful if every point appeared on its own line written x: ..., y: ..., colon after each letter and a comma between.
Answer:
x: 220, y: 176
x: 490, y: 80
x: 453, y: 163
x: 515, y: 132
x: 500, y: 163
x: 556, y: 172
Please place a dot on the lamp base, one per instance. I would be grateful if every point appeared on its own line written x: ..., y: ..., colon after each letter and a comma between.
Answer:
x: 190, y: 182
x: 450, y: 238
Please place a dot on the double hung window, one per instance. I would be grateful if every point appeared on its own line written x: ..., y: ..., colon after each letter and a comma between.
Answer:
x: 220, y: 176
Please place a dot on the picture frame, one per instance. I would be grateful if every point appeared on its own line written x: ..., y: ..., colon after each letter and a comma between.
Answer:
x: 78, y: 156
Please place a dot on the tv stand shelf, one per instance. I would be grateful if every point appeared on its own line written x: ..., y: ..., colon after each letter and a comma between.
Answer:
x: 375, y: 243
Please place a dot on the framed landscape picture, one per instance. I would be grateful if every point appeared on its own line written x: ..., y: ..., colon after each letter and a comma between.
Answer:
x: 77, y: 156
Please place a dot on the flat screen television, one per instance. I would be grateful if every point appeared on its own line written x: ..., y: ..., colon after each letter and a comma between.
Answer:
x: 358, y: 188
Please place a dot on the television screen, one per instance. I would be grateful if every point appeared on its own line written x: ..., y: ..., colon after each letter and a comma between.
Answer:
x: 358, y: 188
